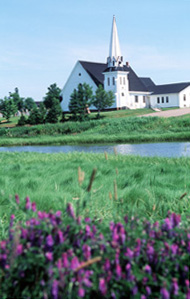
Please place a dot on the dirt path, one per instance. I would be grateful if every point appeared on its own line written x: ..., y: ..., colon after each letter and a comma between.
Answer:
x: 169, y: 113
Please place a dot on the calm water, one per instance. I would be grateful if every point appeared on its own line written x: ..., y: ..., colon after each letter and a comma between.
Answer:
x: 165, y: 149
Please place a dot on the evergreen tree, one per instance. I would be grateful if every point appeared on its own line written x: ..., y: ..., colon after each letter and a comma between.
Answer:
x: 53, y: 92
x: 29, y: 104
x: 54, y: 112
x: 102, y: 99
x: 8, y: 108
x: 19, y: 102
x: 22, y: 121
x: 79, y: 102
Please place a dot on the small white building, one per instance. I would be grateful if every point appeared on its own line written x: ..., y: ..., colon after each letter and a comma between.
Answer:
x: 131, y: 91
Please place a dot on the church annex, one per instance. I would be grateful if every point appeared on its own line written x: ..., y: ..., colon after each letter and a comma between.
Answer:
x: 131, y: 91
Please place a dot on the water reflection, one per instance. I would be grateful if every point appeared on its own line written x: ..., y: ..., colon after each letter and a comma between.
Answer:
x: 165, y: 149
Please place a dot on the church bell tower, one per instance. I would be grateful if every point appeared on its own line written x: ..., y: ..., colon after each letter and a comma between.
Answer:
x: 115, y: 75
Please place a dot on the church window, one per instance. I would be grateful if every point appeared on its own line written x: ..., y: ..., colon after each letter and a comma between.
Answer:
x: 124, y: 81
x: 144, y: 101
x: 122, y: 94
x: 136, y: 99
x: 167, y: 99
x: 79, y: 74
x: 120, y: 80
x: 158, y: 100
x: 162, y: 99
x: 113, y: 79
x: 108, y: 81
x: 184, y: 97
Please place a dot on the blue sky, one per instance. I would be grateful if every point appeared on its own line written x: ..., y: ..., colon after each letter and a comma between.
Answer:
x: 41, y: 40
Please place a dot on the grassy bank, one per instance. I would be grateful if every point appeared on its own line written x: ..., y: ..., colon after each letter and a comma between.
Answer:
x: 120, y: 130
x: 122, y: 185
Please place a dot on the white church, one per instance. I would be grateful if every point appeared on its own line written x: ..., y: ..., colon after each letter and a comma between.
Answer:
x: 131, y: 91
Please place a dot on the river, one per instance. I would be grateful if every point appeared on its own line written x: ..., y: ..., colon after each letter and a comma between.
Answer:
x: 164, y: 149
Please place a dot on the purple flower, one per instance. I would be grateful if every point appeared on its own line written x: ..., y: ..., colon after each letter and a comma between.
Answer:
x: 65, y: 260
x: 148, y: 290
x: 33, y: 206
x: 175, y: 219
x: 86, y: 251
x: 17, y: 199
x: 128, y: 270
x: 28, y: 203
x: 165, y: 294
x: 129, y: 253
x: 55, y: 289
x: 175, y: 287
x: 74, y: 263
x: 188, y: 294
x: 87, y: 220
x: 118, y: 271
x: 49, y: 256
x: 134, y: 290
x: 81, y: 292
x: 148, y: 269
x: 70, y: 210
x: 107, y: 265
x: 102, y: 286
x: 60, y: 236
x: 58, y: 214
x: 49, y: 241
x: 19, y: 249
x: 174, y: 248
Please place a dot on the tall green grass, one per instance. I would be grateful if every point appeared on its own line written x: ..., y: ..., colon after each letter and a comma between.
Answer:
x: 145, y: 186
x: 131, y: 129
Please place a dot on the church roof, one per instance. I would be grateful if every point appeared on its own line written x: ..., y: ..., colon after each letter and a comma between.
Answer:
x: 95, y: 70
x: 170, y: 88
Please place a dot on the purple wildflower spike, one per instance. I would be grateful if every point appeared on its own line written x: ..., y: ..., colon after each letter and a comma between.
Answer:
x: 148, y: 269
x: 28, y: 203
x: 17, y: 199
x: 175, y: 287
x: 49, y: 241
x: 33, y: 206
x: 55, y: 289
x: 49, y: 256
x: 102, y: 286
x: 74, y: 263
x: 70, y: 210
x: 86, y: 251
x: 165, y: 294
x: 65, y: 260
x: 81, y: 292
x: 19, y: 249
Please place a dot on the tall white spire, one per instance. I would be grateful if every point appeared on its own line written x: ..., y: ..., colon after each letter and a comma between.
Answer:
x: 115, y: 59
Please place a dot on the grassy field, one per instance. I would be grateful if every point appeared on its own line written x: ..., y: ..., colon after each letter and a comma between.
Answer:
x: 116, y: 130
x: 122, y: 185
x: 108, y: 114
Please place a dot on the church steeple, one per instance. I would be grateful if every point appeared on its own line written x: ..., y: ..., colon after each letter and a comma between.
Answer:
x: 115, y: 59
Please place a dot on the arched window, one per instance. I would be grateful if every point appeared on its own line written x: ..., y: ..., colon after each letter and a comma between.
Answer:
x: 108, y: 81
x: 123, y: 80
x: 113, y: 80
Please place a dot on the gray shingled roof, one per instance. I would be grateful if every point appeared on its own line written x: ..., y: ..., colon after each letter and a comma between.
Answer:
x: 170, y: 88
x: 95, y: 71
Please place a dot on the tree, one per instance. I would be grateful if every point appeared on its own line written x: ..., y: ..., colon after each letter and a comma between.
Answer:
x: 19, y: 102
x: 102, y: 99
x: 8, y: 108
x: 29, y: 104
x: 80, y: 100
x: 53, y: 92
x: 54, y: 112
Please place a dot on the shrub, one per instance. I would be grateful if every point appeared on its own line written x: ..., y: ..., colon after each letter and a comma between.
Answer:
x: 22, y: 120
x: 50, y: 255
